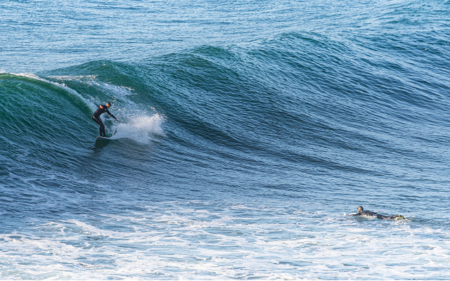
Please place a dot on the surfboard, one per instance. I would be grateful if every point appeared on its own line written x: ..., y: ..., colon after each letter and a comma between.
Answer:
x: 103, y: 138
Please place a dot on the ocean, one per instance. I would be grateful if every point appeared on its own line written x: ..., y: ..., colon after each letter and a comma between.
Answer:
x: 248, y: 132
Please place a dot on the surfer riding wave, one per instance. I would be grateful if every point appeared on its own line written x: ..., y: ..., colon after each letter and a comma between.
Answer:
x: 100, y: 110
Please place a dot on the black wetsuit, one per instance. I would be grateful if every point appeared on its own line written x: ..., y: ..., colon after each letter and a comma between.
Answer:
x: 97, y: 119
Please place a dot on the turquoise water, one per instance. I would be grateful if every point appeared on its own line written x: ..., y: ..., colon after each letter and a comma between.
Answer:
x: 248, y: 130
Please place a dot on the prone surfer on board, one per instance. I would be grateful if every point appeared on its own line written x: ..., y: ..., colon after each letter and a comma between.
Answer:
x: 363, y: 213
x: 100, y: 110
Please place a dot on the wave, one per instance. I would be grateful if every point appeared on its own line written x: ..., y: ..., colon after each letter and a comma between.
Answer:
x: 298, y: 99
x: 46, y: 123
x: 72, y: 96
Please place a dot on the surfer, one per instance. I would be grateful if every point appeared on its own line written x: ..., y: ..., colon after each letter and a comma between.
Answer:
x: 100, y: 110
x: 363, y: 213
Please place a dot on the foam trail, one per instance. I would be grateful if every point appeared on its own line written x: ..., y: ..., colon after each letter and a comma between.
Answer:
x: 140, y: 129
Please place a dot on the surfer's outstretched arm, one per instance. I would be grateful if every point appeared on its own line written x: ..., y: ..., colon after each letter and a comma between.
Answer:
x: 110, y: 114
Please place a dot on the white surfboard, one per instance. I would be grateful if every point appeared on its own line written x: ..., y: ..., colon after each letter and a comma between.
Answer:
x: 102, y: 138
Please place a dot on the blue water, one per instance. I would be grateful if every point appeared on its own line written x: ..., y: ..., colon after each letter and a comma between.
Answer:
x: 247, y: 133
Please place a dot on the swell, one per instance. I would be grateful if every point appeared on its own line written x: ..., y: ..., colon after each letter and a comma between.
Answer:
x: 293, y: 98
x: 298, y: 101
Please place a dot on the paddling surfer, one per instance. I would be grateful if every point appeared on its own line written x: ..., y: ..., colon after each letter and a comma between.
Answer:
x: 100, y: 110
x: 363, y: 213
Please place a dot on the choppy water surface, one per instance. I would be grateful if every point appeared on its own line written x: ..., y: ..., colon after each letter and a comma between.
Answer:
x: 247, y: 131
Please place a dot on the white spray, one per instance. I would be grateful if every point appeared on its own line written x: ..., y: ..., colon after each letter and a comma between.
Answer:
x: 140, y: 129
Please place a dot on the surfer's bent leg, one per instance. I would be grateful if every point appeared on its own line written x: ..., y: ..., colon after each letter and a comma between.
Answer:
x: 102, y: 127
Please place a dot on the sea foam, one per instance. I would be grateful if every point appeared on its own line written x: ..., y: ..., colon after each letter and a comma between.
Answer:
x: 140, y: 129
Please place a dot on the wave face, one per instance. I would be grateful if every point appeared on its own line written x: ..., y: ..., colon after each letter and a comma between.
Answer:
x: 232, y: 160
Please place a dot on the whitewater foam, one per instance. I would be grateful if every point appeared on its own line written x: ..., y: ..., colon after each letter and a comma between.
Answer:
x: 195, y: 242
x: 140, y: 129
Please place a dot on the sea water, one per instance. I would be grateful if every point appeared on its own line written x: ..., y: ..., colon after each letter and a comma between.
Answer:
x: 248, y: 131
